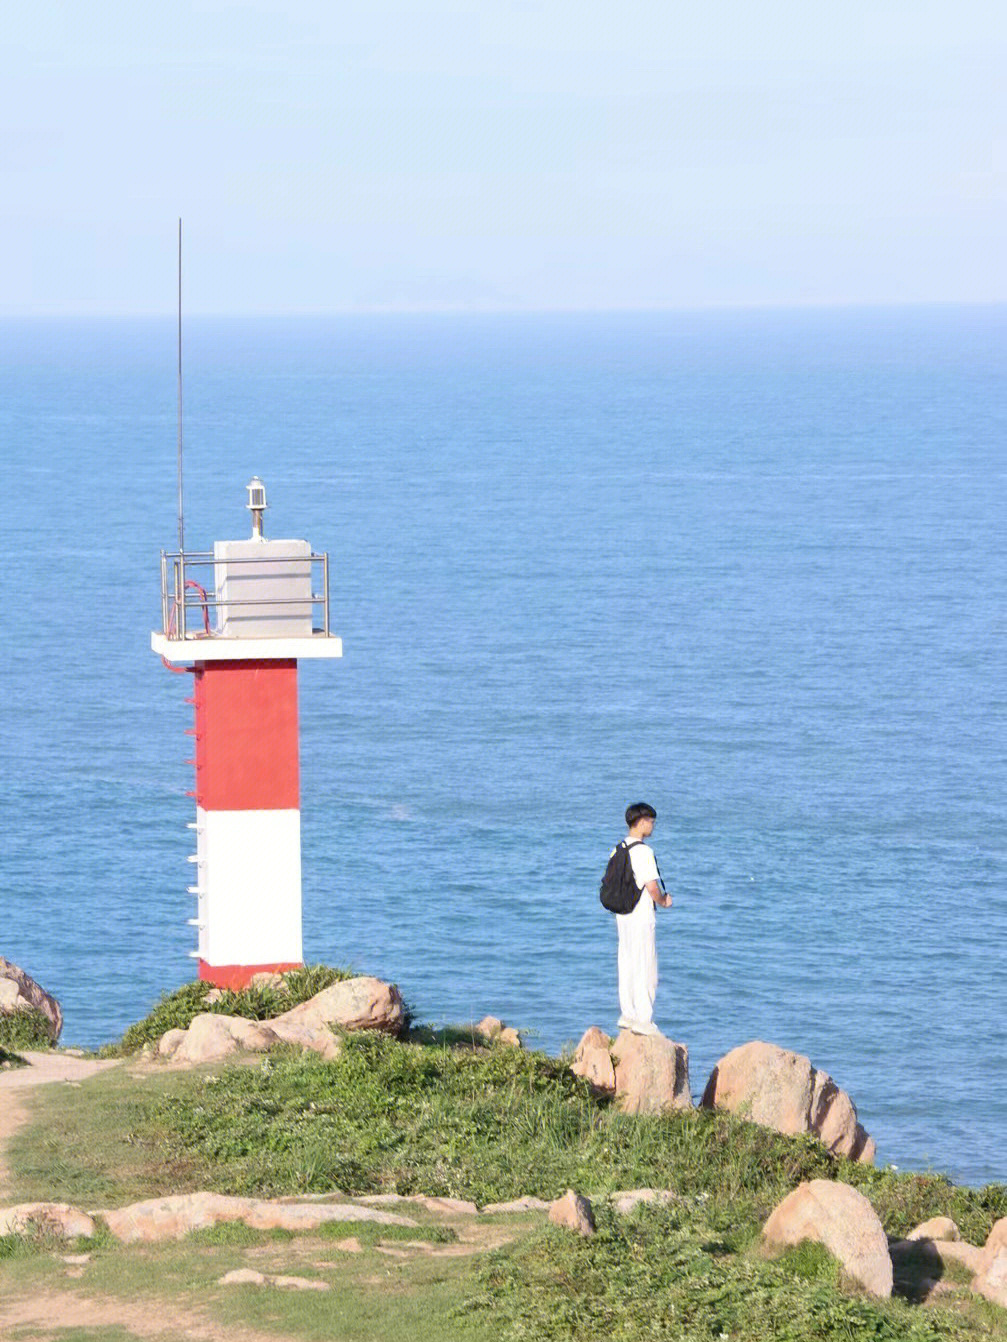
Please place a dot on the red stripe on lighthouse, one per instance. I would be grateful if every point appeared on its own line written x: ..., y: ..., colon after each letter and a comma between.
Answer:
x: 246, y: 736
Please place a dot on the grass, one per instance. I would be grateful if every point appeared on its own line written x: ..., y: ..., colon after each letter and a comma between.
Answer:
x: 667, y: 1273
x: 176, y: 1010
x: 25, y: 1028
x: 444, y: 1117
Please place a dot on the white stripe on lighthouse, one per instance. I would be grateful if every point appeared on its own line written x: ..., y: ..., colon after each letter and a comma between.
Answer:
x: 249, y: 865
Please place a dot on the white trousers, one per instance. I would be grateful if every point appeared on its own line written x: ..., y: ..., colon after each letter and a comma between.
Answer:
x: 637, y: 963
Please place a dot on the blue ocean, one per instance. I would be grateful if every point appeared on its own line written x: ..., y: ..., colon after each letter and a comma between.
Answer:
x: 746, y: 566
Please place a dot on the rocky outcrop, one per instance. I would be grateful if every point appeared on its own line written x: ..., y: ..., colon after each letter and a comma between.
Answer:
x: 353, y: 1004
x: 629, y: 1199
x: 840, y: 1218
x: 651, y: 1074
x: 56, y: 1218
x: 593, y: 1060
x: 20, y: 992
x: 494, y: 1031
x: 938, y: 1227
x: 572, y: 1212
x: 211, y: 1037
x: 176, y: 1216
x: 779, y: 1089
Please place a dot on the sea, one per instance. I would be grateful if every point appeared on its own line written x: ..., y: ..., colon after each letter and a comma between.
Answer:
x: 747, y: 566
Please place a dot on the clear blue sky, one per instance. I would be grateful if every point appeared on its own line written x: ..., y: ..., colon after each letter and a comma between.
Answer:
x: 501, y: 154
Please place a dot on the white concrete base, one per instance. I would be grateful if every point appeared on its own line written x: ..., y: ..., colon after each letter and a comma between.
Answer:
x: 249, y: 886
x: 213, y: 648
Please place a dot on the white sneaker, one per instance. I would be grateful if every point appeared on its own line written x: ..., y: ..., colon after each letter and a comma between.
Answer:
x: 625, y: 1024
x: 647, y: 1028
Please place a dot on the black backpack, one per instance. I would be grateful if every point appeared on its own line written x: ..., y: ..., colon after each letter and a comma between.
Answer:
x: 619, y: 891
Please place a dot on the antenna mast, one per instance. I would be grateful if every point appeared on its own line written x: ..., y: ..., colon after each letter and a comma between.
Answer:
x: 181, y: 523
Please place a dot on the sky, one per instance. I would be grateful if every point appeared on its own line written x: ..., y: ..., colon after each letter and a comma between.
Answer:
x: 501, y: 154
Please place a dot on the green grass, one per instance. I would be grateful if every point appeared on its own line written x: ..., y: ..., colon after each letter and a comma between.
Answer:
x: 487, y: 1124
x: 25, y: 1028
x: 176, y: 1010
x: 667, y: 1273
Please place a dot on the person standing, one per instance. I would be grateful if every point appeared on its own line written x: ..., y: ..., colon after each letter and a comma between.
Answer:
x: 637, y: 945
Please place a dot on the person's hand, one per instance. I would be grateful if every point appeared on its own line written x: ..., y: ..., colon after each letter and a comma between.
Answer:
x: 667, y: 902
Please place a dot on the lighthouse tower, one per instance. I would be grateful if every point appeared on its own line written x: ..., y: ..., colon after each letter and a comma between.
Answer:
x: 240, y: 618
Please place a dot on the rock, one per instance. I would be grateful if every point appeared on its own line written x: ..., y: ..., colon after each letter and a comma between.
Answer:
x: 454, y: 1206
x: 651, y: 1074
x: 593, y: 1060
x: 173, y: 1217
x: 58, y: 1218
x: 299, y: 1283
x: 316, y: 1038
x: 168, y: 1044
x: 991, y: 1281
x: 269, y: 978
x: 353, y: 1004
x: 779, y: 1089
x: 938, y: 1227
x: 509, y: 1038
x: 489, y: 1027
x: 522, y: 1204
x: 19, y: 991
x: 626, y: 1201
x: 840, y: 1218
x: 242, y: 1276
x: 997, y: 1238
x: 573, y: 1212
x: 213, y: 996
x: 211, y: 1037
x: 176, y: 1216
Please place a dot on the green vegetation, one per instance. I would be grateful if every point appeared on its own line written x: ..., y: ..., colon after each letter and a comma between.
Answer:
x: 667, y: 1273
x: 8, y: 1059
x: 440, y: 1114
x: 176, y: 1010
x: 25, y: 1028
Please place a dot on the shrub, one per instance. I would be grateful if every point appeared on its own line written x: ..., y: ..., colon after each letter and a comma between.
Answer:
x: 27, y: 1027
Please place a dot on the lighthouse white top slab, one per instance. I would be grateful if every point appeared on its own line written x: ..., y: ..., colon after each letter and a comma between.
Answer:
x: 216, y: 648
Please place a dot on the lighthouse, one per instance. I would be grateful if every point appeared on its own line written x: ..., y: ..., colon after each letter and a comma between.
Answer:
x: 239, y: 618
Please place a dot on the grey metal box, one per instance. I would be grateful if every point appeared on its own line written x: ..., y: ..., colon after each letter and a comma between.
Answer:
x: 274, y: 573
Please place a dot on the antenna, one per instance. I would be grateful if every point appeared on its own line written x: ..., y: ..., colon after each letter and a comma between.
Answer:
x: 181, y: 521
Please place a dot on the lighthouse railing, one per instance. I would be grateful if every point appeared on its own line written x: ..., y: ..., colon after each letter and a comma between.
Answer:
x: 182, y: 594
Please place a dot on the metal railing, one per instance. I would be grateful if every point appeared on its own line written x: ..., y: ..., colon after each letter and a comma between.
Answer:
x: 181, y: 593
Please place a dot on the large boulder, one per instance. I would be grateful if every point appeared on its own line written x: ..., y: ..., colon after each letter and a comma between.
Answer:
x: 20, y: 992
x: 573, y: 1212
x: 593, y: 1060
x: 991, y: 1269
x: 651, y: 1074
x: 782, y: 1090
x: 991, y: 1280
x: 352, y: 1004
x: 840, y: 1218
x: 211, y: 1037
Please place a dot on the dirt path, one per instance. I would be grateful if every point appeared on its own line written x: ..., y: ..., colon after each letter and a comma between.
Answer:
x: 44, y: 1069
x: 51, y: 1310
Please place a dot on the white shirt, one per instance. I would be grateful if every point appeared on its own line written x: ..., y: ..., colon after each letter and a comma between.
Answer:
x: 644, y: 864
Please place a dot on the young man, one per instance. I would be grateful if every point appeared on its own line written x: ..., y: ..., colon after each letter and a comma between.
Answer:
x: 637, y: 947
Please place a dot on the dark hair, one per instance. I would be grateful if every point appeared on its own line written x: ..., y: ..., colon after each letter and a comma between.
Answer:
x: 639, y: 811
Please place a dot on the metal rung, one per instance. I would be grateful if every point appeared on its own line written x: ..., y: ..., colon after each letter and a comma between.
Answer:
x: 195, y: 922
x: 194, y: 955
x: 194, y: 889
x: 192, y: 824
x: 193, y: 857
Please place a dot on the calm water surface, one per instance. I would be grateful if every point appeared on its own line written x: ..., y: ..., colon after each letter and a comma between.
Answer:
x: 748, y: 567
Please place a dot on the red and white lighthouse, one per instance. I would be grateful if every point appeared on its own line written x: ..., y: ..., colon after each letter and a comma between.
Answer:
x: 240, y: 618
